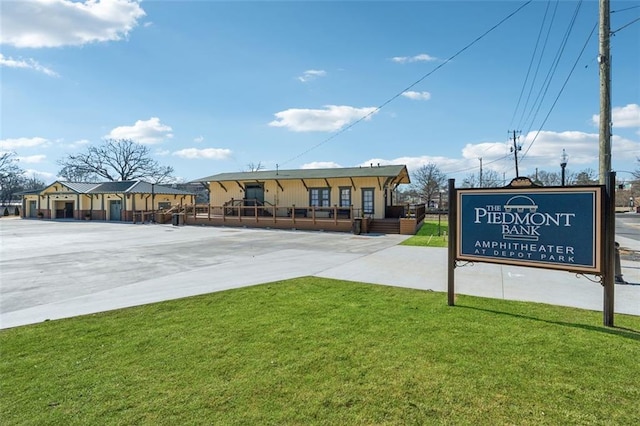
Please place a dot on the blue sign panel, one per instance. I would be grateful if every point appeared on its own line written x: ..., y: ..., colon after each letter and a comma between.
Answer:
x: 557, y: 228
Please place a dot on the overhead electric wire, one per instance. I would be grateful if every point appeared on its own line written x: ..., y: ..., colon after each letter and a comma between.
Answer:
x: 626, y: 8
x: 625, y: 26
x: 522, y: 157
x: 455, y: 172
x: 535, y: 75
x: 533, y: 56
x: 552, y: 70
x: 388, y: 101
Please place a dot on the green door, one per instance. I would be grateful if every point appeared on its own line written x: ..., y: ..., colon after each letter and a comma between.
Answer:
x: 254, y: 194
x: 33, y: 208
x: 115, y: 210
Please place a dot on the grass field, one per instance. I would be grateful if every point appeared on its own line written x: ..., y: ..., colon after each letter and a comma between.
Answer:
x: 319, y: 351
x: 430, y: 234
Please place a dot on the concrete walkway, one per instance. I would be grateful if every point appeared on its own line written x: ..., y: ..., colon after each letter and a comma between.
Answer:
x: 59, y: 269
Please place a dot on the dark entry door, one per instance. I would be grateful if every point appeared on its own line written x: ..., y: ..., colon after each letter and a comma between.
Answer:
x: 68, y: 210
x: 33, y: 208
x: 115, y: 209
x: 253, y: 193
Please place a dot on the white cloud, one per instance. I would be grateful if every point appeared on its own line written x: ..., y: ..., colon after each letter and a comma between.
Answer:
x: 417, y: 96
x: 582, y: 149
x: 321, y: 165
x: 199, y: 139
x: 626, y: 116
x: 162, y: 152
x: 45, y: 176
x: 207, y: 153
x: 32, y: 159
x: 145, y: 132
x: 332, y: 118
x: 26, y: 63
x: 414, y: 163
x: 422, y: 57
x: 11, y: 144
x: 309, y: 75
x: 55, y: 23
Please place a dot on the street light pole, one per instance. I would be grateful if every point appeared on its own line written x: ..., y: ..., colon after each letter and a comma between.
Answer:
x: 563, y: 164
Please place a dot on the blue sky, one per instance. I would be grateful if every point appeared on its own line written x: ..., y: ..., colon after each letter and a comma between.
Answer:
x: 212, y: 86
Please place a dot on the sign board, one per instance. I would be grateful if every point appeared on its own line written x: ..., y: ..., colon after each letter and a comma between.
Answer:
x: 553, y: 228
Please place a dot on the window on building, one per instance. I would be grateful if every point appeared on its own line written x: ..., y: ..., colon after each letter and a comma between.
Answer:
x: 367, y: 201
x: 319, y: 197
x: 345, y: 197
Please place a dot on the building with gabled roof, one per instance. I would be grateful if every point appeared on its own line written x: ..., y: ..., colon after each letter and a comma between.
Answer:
x: 113, y: 201
x: 327, y: 199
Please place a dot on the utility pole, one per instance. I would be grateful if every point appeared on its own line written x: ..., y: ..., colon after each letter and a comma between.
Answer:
x: 480, y: 172
x: 604, y: 59
x: 515, y: 148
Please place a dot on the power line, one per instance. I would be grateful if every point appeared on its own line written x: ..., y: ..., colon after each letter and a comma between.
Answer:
x: 455, y: 172
x: 625, y: 26
x: 626, y: 8
x: 535, y: 75
x: 554, y: 66
x: 533, y: 56
x: 397, y: 95
x: 561, y: 90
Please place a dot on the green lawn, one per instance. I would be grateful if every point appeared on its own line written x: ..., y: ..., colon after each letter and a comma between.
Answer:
x: 430, y: 234
x: 319, y: 351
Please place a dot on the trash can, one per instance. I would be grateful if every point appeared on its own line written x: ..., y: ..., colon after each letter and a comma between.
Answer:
x: 175, y: 219
x: 357, y: 226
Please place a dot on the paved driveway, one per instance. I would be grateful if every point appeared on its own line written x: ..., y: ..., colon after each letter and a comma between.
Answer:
x: 59, y: 269
x: 51, y: 270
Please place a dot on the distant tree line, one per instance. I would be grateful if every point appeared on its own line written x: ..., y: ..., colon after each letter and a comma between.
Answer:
x: 13, y: 179
x: 428, y: 182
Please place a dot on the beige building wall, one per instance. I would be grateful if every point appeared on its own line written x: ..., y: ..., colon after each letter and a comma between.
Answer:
x: 293, y: 192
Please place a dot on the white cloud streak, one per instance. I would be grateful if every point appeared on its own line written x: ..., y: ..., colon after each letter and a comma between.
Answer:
x: 18, y: 143
x: 205, y: 153
x: 332, y: 118
x: 309, y: 75
x: 626, y: 116
x: 321, y: 165
x: 417, y: 96
x: 26, y: 64
x: 422, y: 57
x: 55, y: 23
x: 150, y: 132
x: 32, y: 159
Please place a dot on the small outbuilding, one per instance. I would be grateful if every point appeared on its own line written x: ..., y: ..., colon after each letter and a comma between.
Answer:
x: 110, y: 201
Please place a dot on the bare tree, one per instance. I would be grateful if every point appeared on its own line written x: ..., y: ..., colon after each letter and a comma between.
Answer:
x: 490, y: 179
x: 586, y: 177
x: 77, y: 174
x: 428, y: 180
x: 11, y: 175
x: 9, y: 165
x: 545, y: 178
x: 13, y: 179
x: 253, y: 167
x: 115, y: 160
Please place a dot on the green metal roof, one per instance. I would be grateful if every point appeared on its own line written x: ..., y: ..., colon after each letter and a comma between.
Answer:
x: 397, y: 171
x: 117, y: 187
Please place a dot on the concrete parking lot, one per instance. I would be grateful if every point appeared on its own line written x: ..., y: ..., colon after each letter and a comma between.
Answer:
x: 59, y: 269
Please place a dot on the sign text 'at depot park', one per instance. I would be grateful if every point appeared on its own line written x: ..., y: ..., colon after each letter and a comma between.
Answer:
x: 556, y: 228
